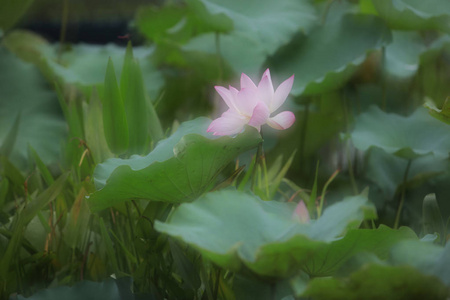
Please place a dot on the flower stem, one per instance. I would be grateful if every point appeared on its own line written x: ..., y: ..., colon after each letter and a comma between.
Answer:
x: 325, y: 12
x: 402, y: 197
x: 258, y: 157
x: 383, y: 77
x: 347, y: 146
x: 303, y: 133
x: 219, y: 56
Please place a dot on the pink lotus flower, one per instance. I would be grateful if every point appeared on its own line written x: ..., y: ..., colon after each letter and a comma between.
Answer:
x: 253, y: 105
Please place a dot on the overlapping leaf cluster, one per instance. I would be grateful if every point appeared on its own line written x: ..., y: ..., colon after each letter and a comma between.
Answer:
x: 106, y: 168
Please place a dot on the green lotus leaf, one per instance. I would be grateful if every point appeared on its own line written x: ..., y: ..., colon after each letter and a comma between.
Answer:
x: 327, y: 260
x: 388, y: 171
x: 408, y: 137
x: 260, y: 28
x: 330, y: 54
x: 415, y: 14
x: 378, y: 281
x: 179, y: 169
x: 235, y: 229
x: 403, y: 55
x: 429, y: 258
x: 272, y: 24
x: 29, y: 111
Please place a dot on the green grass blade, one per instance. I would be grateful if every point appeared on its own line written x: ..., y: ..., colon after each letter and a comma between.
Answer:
x: 108, y: 245
x: 114, y: 116
x: 41, y: 166
x: 312, y: 198
x: 10, y: 139
x: 134, y: 100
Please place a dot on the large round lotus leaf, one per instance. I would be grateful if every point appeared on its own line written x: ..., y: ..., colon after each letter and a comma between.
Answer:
x: 260, y: 28
x: 429, y: 258
x: 329, y: 54
x: 388, y: 171
x: 179, y: 169
x: 415, y: 14
x: 270, y: 23
x: 234, y: 228
x: 327, y: 260
x: 25, y: 97
x: 240, y: 50
x: 376, y: 281
x: 408, y: 137
x: 403, y: 54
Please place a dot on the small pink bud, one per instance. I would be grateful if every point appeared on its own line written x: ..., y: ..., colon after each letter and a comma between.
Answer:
x: 301, y: 212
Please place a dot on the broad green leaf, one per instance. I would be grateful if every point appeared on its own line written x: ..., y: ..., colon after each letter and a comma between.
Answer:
x: 239, y: 49
x: 260, y: 28
x: 343, y: 215
x: 367, y: 7
x: 179, y: 169
x: 235, y: 229
x: 442, y: 114
x: 376, y: 281
x: 203, y: 21
x: 429, y: 258
x: 177, y: 24
x: 156, y: 22
x: 403, y: 54
x: 163, y: 151
x: 11, y: 11
x: 408, y: 137
x: 114, y: 116
x: 327, y: 260
x: 246, y: 287
x: 270, y: 23
x: 28, y: 46
x: 388, y: 170
x: 415, y: 14
x: 41, y: 124
x: 109, y: 289
x: 330, y: 54
x: 440, y: 268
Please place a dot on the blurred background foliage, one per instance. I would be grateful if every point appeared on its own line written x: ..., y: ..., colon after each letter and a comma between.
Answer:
x: 363, y: 70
